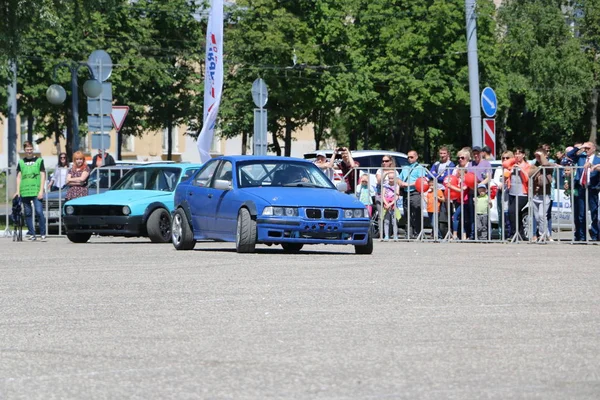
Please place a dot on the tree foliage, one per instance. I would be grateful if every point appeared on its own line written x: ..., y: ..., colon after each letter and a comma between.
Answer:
x: 388, y: 74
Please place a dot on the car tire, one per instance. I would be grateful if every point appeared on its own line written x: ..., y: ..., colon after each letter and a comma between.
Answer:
x: 245, y: 240
x: 292, y: 247
x: 182, y: 236
x: 159, y: 226
x: 365, y: 248
x: 79, y: 237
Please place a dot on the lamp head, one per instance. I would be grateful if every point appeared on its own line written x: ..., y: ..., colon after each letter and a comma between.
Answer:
x: 56, y: 94
x: 92, y: 88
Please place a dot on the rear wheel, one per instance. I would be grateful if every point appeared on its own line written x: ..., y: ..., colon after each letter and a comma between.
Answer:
x: 292, y: 247
x: 182, y: 236
x: 159, y: 226
x: 79, y: 237
x: 245, y: 241
x: 365, y: 248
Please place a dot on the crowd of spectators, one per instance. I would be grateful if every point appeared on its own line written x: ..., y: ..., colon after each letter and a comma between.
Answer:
x: 461, y: 192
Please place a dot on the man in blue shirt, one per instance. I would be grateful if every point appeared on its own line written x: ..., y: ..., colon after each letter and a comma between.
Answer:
x: 412, y: 198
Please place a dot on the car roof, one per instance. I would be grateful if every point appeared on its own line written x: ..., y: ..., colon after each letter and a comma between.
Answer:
x: 357, y: 153
x: 259, y: 158
x: 167, y: 165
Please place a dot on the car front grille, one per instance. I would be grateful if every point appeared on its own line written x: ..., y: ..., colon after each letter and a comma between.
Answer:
x: 318, y: 213
x: 98, y: 210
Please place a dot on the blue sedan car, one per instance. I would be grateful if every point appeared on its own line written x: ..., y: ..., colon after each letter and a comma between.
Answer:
x: 140, y: 204
x: 269, y: 200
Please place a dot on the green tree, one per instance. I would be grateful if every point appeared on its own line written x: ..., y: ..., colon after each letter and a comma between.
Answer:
x: 547, y: 75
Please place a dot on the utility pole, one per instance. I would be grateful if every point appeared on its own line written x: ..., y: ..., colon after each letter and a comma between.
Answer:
x: 12, y: 129
x: 476, y: 136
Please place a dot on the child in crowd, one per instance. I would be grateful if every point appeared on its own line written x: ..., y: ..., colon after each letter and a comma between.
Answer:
x: 434, y: 202
x: 365, y: 193
x: 482, y: 205
x: 390, y: 212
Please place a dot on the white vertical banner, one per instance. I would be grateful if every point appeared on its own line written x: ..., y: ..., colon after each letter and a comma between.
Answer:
x: 213, y: 79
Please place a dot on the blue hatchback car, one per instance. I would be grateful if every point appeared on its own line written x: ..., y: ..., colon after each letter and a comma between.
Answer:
x: 140, y: 204
x: 269, y: 200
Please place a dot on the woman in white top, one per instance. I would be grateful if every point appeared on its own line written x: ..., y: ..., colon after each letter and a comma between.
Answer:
x: 58, y: 180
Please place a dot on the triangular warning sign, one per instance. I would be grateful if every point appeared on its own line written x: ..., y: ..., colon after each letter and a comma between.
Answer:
x: 118, y: 115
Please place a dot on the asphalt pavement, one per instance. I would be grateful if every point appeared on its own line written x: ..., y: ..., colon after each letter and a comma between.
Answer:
x: 118, y: 318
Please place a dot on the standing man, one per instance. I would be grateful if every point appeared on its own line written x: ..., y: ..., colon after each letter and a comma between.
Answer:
x: 481, y: 167
x: 486, y: 153
x: 97, y: 161
x: 408, y: 176
x: 348, y: 167
x: 443, y: 167
x: 587, y: 186
x: 31, y: 178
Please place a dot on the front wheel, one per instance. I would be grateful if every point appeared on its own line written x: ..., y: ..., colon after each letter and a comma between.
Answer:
x: 79, y: 237
x: 182, y: 236
x: 292, y: 247
x: 159, y: 226
x: 365, y: 248
x: 245, y: 240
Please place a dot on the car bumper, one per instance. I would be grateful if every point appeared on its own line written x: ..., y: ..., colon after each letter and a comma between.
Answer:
x: 279, y: 230
x: 105, y: 225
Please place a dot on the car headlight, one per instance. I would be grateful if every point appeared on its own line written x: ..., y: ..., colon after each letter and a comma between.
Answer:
x: 280, y: 211
x: 126, y: 210
x: 356, y: 213
x: 69, y: 210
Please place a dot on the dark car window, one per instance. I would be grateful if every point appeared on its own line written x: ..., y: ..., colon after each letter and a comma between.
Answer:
x: 151, y: 178
x: 225, y: 172
x: 188, y: 173
x: 400, y: 161
x: 105, y: 178
x: 205, y: 175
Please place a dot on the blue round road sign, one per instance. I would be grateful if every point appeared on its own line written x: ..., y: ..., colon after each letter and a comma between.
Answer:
x: 489, y: 103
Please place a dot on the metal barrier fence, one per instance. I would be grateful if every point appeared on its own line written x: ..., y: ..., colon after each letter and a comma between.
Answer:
x: 51, y: 204
x: 543, y: 207
x: 560, y: 200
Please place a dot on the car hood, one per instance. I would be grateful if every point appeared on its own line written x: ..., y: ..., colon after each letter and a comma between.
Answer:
x: 117, y: 197
x: 305, y: 197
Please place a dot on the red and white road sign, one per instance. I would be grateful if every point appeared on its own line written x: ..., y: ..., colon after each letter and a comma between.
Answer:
x: 118, y: 115
x: 489, y: 134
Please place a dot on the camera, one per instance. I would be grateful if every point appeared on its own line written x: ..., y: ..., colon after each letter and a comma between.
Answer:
x: 340, y: 149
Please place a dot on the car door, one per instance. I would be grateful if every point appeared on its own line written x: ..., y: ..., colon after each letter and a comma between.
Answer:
x: 224, y: 223
x: 200, y: 197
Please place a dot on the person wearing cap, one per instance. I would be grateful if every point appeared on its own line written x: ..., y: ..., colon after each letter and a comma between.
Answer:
x: 324, y: 165
x: 482, y: 206
x: 482, y: 169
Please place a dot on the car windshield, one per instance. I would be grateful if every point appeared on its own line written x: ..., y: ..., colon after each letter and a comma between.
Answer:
x: 159, y: 178
x: 281, y: 173
x: 104, y: 178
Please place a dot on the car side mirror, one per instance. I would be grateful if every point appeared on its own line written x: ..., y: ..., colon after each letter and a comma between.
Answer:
x: 341, y: 186
x: 222, y: 184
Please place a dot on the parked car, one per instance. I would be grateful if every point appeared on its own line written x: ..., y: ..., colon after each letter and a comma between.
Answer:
x: 270, y: 200
x: 100, y: 180
x: 139, y: 204
x: 369, y: 160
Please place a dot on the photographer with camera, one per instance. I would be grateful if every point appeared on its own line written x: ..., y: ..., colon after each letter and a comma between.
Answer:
x: 348, y: 167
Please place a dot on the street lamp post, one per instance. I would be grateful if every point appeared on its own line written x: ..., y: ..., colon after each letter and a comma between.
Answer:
x: 56, y: 94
